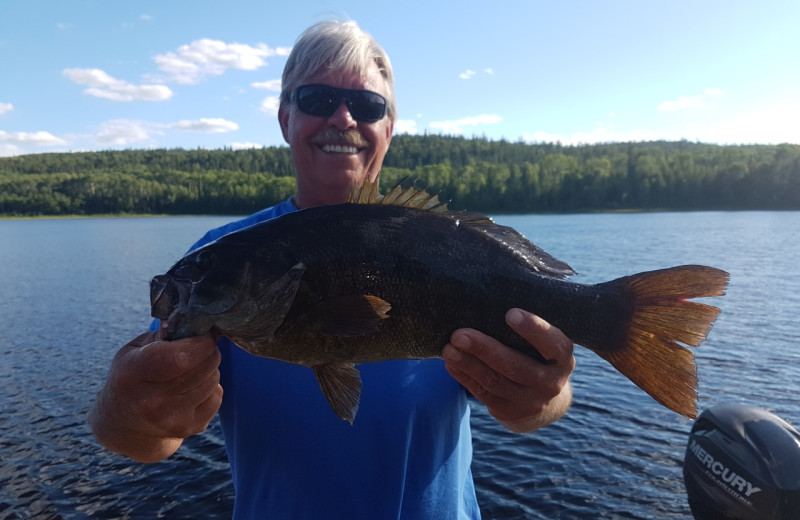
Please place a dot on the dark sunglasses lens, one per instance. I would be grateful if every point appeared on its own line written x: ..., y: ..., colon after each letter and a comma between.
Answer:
x: 366, y: 106
x: 322, y: 101
x: 317, y: 100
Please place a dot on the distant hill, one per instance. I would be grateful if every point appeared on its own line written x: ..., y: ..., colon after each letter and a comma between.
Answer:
x: 477, y: 174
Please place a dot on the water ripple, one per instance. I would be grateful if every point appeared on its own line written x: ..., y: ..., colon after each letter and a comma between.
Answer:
x: 72, y: 289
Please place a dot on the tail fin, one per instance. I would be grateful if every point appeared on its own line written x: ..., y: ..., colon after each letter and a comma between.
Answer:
x: 652, y: 356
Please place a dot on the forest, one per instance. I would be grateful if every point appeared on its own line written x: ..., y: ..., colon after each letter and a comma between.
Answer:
x: 472, y: 173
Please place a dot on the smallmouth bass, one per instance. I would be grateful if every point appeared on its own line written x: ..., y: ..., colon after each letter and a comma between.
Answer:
x: 392, y: 277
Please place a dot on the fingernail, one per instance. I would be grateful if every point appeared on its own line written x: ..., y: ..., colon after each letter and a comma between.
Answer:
x: 460, y: 341
x: 514, y: 317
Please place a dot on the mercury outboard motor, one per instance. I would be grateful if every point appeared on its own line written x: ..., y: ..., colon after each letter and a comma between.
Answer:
x: 742, y: 463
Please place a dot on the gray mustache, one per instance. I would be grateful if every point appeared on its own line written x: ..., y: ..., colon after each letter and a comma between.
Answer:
x: 348, y: 137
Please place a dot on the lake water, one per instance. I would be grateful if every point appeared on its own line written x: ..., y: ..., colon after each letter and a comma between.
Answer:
x: 74, y: 290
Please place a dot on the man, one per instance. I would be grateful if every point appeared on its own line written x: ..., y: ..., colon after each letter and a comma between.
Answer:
x: 408, y: 453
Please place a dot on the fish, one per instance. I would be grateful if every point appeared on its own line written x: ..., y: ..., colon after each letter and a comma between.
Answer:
x: 391, y: 276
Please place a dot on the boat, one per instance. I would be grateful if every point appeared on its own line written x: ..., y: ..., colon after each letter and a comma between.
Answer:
x: 742, y: 462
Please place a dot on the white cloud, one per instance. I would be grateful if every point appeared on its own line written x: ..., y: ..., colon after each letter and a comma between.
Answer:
x: 272, y: 84
x: 6, y: 107
x: 457, y: 127
x: 9, y: 150
x: 105, y: 86
x: 30, y: 139
x: 206, y: 126
x: 770, y: 124
x: 714, y: 92
x: 405, y: 126
x: 141, y: 18
x: 245, y: 146
x: 469, y: 73
x: 122, y: 132
x: 194, y: 62
x: 270, y: 105
x: 690, y: 102
x: 597, y: 135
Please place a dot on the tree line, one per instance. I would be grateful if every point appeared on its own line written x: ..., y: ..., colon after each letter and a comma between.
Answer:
x: 476, y: 174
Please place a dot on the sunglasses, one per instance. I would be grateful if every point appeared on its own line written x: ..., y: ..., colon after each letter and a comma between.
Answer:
x: 324, y: 100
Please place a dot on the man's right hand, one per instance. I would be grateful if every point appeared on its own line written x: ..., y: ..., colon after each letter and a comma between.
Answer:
x: 157, y: 394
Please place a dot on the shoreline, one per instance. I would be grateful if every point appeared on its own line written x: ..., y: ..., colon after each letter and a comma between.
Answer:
x: 490, y: 214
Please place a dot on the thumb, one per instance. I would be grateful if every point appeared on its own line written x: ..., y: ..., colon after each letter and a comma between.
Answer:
x: 162, y: 361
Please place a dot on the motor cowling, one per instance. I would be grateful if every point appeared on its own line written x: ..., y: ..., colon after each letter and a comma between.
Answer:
x: 742, y: 463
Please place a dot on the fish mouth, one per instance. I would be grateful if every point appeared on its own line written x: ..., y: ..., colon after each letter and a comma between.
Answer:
x: 187, y: 308
x: 173, y: 327
x: 165, y: 305
x: 164, y: 296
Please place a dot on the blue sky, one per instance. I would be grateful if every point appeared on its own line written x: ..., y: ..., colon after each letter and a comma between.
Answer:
x: 106, y: 74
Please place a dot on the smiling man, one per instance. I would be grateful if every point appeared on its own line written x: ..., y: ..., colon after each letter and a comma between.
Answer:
x: 408, y: 454
x: 338, y: 124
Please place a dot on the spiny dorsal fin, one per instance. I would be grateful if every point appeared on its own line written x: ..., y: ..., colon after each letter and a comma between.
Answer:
x: 365, y: 194
x: 410, y: 197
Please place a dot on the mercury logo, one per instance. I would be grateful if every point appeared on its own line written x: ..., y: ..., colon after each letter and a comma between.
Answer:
x: 722, y: 472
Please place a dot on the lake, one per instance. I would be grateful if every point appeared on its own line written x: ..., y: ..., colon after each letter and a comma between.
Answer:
x: 75, y: 290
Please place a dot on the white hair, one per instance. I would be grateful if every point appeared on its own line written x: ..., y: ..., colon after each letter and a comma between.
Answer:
x: 340, y: 46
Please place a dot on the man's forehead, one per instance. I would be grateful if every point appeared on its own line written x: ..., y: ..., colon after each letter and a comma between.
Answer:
x: 368, y: 77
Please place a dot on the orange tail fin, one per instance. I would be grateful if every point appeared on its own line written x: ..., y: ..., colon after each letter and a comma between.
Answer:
x: 653, y: 355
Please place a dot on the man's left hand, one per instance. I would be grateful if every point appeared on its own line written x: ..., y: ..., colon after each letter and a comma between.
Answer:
x: 520, y: 392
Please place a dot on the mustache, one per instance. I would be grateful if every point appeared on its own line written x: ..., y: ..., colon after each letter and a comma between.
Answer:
x: 346, y: 137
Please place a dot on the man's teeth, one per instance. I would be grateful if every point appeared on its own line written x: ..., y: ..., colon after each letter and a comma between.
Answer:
x: 338, y: 148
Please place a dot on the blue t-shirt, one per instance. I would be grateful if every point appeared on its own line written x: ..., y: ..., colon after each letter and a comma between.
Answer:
x: 407, y: 455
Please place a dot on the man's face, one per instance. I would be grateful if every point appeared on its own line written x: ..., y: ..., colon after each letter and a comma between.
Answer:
x: 326, y: 171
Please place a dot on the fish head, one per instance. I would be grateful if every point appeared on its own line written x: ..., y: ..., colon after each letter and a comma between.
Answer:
x: 191, y: 296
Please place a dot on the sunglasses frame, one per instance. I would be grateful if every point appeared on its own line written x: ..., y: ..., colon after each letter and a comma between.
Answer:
x: 353, y: 98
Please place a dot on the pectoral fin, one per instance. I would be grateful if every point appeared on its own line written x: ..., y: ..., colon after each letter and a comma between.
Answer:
x: 341, y: 385
x: 348, y: 316
x: 268, y: 308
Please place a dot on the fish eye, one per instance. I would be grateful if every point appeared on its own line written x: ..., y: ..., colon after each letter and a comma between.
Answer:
x: 206, y: 260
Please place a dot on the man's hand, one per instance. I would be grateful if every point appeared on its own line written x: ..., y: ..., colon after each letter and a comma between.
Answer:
x: 520, y: 392
x: 157, y: 394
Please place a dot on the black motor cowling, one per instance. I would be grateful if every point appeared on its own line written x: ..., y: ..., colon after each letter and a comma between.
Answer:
x: 742, y: 463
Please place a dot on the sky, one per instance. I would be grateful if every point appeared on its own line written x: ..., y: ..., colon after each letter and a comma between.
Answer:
x: 83, y: 75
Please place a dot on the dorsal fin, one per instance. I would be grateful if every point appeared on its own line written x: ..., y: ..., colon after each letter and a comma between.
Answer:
x: 410, y: 197
x: 365, y: 194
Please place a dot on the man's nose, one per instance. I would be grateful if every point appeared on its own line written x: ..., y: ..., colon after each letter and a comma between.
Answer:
x: 342, y: 118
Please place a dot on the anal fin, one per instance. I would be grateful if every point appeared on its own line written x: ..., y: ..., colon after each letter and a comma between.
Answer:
x: 341, y: 385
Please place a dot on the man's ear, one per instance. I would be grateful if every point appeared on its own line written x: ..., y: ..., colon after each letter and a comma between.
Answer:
x: 389, y: 132
x: 283, y: 120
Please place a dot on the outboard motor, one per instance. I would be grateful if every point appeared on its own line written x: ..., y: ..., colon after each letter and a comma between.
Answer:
x: 742, y: 463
